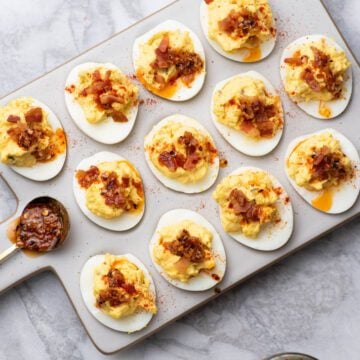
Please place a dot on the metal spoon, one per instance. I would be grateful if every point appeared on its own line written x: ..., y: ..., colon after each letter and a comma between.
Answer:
x: 43, y: 226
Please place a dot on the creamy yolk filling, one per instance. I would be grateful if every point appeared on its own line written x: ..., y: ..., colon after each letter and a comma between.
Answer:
x: 184, y: 250
x: 244, y: 104
x: 104, y: 93
x: 166, y: 59
x: 316, y: 71
x: 240, y: 24
x: 318, y: 163
x: 121, y: 288
x: 181, y: 152
x: 26, y: 137
x: 112, y: 189
x: 247, y: 202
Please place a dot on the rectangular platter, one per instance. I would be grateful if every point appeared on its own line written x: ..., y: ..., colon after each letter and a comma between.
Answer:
x: 294, y: 19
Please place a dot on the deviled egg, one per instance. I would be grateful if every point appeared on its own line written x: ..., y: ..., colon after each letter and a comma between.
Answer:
x: 182, y: 155
x: 187, y: 251
x: 247, y: 111
x: 323, y: 168
x: 317, y: 76
x: 255, y: 209
x: 102, y: 101
x: 169, y: 60
x: 109, y: 191
x: 32, y: 140
x: 118, y: 291
x: 241, y: 30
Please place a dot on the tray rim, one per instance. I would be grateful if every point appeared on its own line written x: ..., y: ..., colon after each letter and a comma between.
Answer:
x: 52, y: 270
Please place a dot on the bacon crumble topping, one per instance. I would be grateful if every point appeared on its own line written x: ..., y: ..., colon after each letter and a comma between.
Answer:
x: 28, y: 134
x: 118, y: 290
x: 239, y: 23
x: 187, y: 247
x: 317, y: 72
x: 247, y: 209
x: 187, y: 64
x: 104, y: 95
x: 112, y: 190
x: 174, y: 159
x: 256, y: 117
x: 327, y: 165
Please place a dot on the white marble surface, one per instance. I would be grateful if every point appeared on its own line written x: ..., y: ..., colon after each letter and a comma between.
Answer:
x: 309, y: 302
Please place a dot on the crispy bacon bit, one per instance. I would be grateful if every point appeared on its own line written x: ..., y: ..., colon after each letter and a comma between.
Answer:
x: 187, y: 246
x: 187, y: 64
x: 239, y: 23
x: 27, y: 135
x: 208, y: 1
x: 108, y: 99
x: 320, y: 71
x: 216, y: 277
x: 256, y: 117
x: 34, y: 115
x: 13, y: 119
x: 24, y: 136
x: 118, y: 290
x: 248, y: 210
x: 294, y: 61
x: 119, y: 116
x: 327, y: 165
x: 191, y: 161
x: 308, y: 76
x: 112, y: 296
x: 129, y: 288
x: 89, y: 177
x: 115, y: 278
x: 112, y: 191
x: 172, y: 160
x: 189, y: 141
x: 104, y: 95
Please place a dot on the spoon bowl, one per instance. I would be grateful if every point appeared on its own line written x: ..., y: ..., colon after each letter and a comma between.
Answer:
x: 43, y: 226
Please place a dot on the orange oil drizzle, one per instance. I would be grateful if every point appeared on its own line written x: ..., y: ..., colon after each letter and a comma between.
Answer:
x: 324, y: 201
x: 254, y: 54
x: 324, y: 110
x: 167, y: 92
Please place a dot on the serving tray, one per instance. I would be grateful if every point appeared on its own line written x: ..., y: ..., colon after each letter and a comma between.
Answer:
x: 87, y: 239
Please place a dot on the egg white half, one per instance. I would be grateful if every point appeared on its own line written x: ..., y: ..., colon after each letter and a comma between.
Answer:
x: 129, y: 323
x: 312, y: 107
x: 345, y: 196
x: 266, y: 47
x: 183, y: 93
x: 107, y: 131
x: 203, y: 281
x: 125, y: 221
x: 213, y: 170
x: 238, y: 139
x: 47, y: 170
x: 272, y: 236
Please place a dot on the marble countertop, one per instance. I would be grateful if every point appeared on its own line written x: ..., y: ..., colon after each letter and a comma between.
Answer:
x: 307, y: 303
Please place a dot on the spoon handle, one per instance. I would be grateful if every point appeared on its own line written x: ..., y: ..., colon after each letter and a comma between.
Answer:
x: 7, y: 253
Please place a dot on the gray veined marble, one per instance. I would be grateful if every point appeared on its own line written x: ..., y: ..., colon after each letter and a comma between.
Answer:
x: 307, y: 303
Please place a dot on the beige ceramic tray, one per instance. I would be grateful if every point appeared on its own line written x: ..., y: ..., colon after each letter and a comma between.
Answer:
x: 294, y: 19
